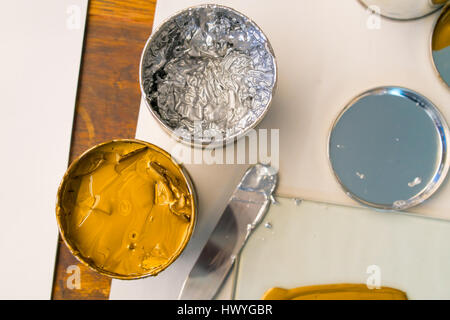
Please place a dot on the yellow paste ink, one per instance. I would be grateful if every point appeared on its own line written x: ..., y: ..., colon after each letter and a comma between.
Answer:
x: 126, y: 209
x: 335, y: 292
x: 441, y: 34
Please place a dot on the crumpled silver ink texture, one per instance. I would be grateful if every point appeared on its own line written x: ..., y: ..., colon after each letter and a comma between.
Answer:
x: 208, y: 73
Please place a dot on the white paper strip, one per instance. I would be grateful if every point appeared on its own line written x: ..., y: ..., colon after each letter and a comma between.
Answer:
x: 40, y: 47
x: 328, y: 52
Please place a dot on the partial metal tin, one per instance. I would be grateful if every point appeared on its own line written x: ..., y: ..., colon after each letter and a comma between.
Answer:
x: 61, y: 212
x: 440, y: 45
x: 208, y: 75
x: 403, y: 9
x: 388, y: 148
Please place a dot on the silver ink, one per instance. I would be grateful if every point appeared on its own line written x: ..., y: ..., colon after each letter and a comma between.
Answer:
x: 208, y: 72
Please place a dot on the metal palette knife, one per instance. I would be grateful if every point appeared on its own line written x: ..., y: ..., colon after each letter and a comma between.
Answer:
x: 244, y: 211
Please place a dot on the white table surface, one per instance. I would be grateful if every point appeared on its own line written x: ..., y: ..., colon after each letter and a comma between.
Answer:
x: 326, y: 56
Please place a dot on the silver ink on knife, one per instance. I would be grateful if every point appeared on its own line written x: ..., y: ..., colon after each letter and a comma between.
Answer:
x: 245, y: 211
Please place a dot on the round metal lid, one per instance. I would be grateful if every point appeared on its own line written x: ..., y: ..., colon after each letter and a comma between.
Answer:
x: 440, y: 45
x: 388, y: 148
x: 403, y: 9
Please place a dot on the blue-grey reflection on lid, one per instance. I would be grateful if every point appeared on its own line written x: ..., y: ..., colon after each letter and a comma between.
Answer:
x: 388, y: 148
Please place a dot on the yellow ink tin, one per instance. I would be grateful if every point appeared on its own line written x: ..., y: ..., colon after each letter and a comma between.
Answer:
x: 126, y: 209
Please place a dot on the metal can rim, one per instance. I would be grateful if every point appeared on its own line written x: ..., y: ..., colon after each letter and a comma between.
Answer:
x: 169, y: 130
x: 444, y: 162
x: 433, y: 9
x: 92, y: 265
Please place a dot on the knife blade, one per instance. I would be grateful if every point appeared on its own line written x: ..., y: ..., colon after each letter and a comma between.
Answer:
x: 244, y: 211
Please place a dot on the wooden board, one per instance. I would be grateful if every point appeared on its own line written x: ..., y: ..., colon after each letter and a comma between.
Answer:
x: 107, y: 105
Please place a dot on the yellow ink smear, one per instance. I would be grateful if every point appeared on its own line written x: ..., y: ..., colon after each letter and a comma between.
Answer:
x: 335, y: 292
x: 126, y: 209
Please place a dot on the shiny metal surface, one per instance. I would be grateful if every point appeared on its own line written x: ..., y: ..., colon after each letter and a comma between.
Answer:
x: 440, y: 45
x: 403, y: 9
x: 388, y: 148
x: 208, y: 75
x: 245, y: 210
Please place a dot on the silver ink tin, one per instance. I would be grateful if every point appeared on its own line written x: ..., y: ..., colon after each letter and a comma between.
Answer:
x: 388, y: 148
x: 208, y: 75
